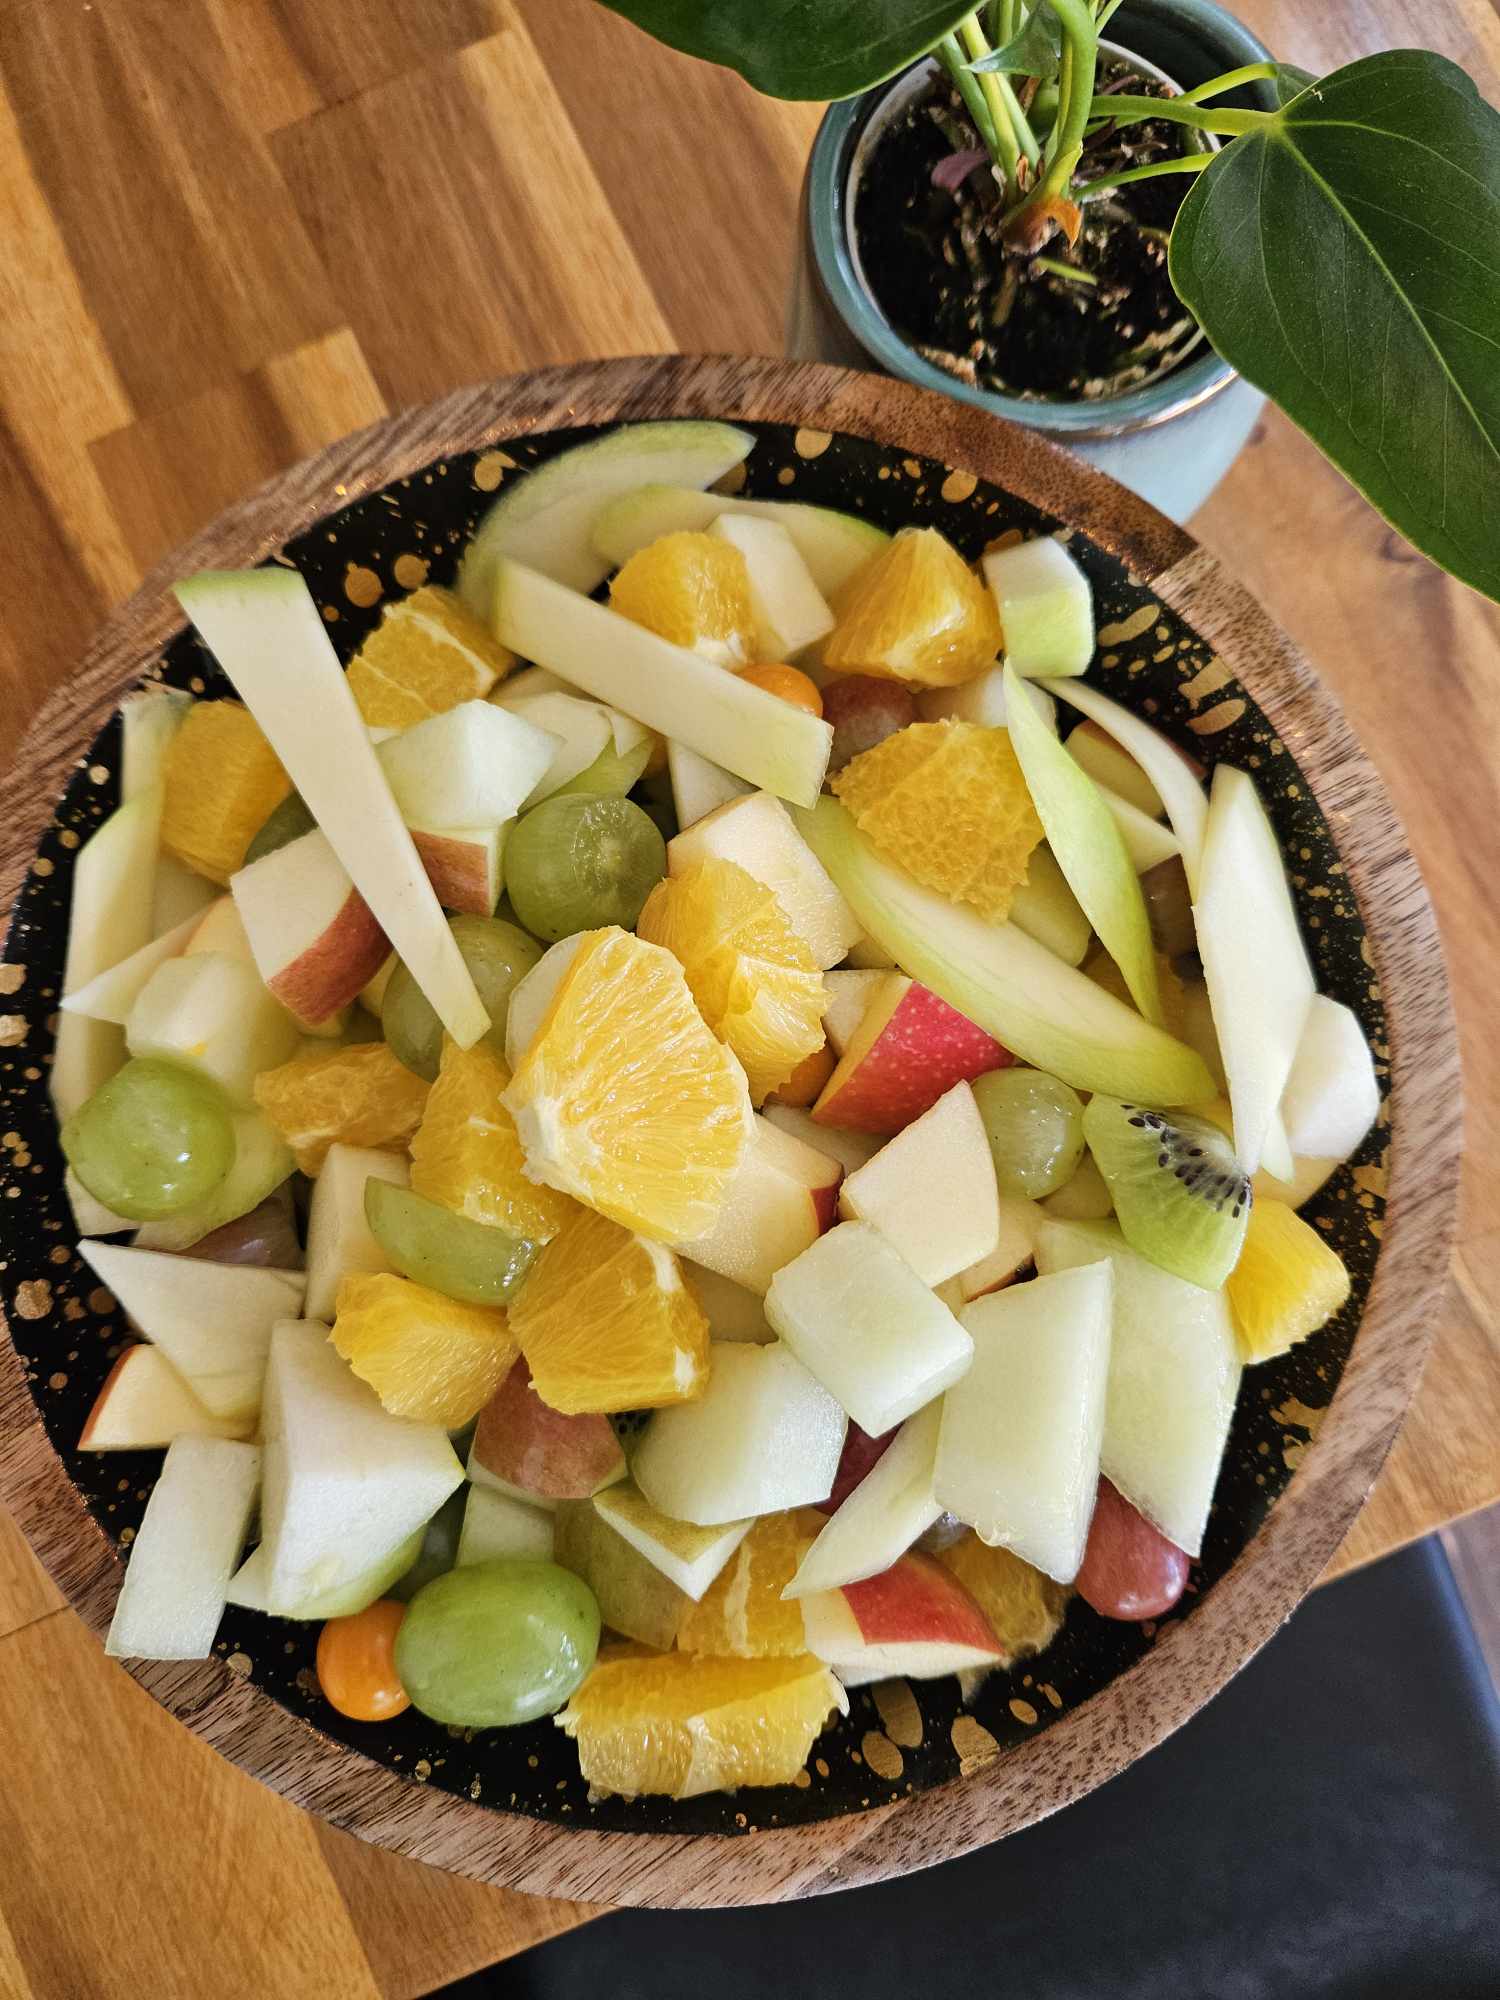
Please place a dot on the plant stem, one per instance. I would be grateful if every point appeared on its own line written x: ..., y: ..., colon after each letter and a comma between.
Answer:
x: 1007, y: 145
x: 1219, y: 86
x: 1177, y: 111
x: 1075, y: 89
x: 1186, y: 163
x: 1059, y: 269
x: 1107, y: 12
x: 951, y: 56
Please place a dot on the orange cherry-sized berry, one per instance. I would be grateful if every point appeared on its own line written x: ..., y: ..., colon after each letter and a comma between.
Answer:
x: 805, y: 1084
x: 788, y: 683
x: 357, y: 1663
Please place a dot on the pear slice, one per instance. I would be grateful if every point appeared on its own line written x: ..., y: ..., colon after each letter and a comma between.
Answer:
x: 1088, y: 845
x: 1260, y: 983
x: 1042, y: 1010
x: 1164, y: 764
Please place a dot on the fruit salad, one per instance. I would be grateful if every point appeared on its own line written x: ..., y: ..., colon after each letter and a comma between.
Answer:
x: 703, y: 1123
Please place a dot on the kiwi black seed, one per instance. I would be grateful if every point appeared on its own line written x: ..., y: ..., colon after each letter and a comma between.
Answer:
x: 1180, y: 1194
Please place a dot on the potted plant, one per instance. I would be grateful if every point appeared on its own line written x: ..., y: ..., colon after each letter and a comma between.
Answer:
x: 1337, y: 239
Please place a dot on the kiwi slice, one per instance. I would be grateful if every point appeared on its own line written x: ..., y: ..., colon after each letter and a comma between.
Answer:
x: 1181, y: 1196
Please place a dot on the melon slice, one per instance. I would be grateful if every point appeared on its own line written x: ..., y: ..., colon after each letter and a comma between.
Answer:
x: 1045, y: 1012
x: 545, y: 517
x: 834, y: 546
x: 756, y: 735
x: 1046, y: 607
x: 268, y: 635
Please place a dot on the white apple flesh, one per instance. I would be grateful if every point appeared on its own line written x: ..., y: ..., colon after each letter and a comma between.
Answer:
x: 849, y: 1149
x: 497, y: 1525
x: 859, y: 1318
x: 1014, y: 1253
x: 340, y: 1242
x: 789, y: 610
x: 247, y: 1587
x: 733, y: 1311
x: 1332, y: 1096
x: 185, y: 1550
x: 913, y: 1620
x: 1018, y: 1457
x: 473, y: 765
x: 757, y: 832
x: 931, y: 1191
x: 112, y: 994
x: 315, y: 939
x: 212, y: 1014
x: 144, y: 1404
x: 908, y: 1049
x: 699, y: 787
x: 890, y: 1507
x: 784, y: 1194
x: 221, y: 928
x: 532, y: 995
x: 835, y: 546
x: 1046, y: 607
x: 764, y: 1436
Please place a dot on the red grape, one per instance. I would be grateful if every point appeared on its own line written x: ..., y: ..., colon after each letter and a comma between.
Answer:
x: 864, y: 711
x: 266, y: 1235
x: 860, y: 1453
x: 1130, y: 1569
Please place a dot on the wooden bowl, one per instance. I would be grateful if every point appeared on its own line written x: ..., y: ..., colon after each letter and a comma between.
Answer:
x: 912, y: 1777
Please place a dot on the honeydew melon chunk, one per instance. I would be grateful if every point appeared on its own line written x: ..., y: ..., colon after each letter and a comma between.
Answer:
x: 545, y: 517
x: 111, y: 918
x: 1088, y: 846
x: 269, y: 636
x: 756, y: 735
x: 1047, y: 1013
x: 247, y: 1587
x: 1260, y: 984
x: 1046, y: 607
x: 1174, y: 1374
x: 835, y: 546
x: 790, y: 611
x: 699, y: 787
x: 689, y: 1556
x: 1046, y: 909
x: 1180, y: 792
x: 148, y: 722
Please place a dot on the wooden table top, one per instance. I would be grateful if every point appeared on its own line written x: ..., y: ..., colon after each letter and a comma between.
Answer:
x: 230, y: 231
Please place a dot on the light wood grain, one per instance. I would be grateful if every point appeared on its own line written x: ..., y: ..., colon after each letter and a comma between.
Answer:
x: 182, y: 311
x: 1192, y: 1658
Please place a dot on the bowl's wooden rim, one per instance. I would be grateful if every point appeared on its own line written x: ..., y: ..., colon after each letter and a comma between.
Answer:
x: 1193, y: 1658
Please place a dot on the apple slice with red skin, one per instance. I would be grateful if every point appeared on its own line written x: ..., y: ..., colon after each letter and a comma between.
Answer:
x: 861, y: 1453
x: 783, y: 1196
x: 315, y: 940
x: 525, y: 1447
x: 144, y: 1403
x: 463, y: 865
x: 907, y: 1052
x: 914, y: 1619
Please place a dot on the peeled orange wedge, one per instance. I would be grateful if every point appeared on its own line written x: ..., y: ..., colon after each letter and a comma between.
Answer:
x: 1287, y: 1283
x: 467, y: 1156
x: 754, y: 979
x: 606, y: 1323
x: 917, y: 613
x: 361, y: 1095
x: 428, y: 653
x: 1025, y: 1607
x: 425, y: 1355
x: 947, y: 802
x: 693, y: 589
x: 741, y: 1614
x: 625, y: 1099
x: 222, y: 782
x: 682, y: 1725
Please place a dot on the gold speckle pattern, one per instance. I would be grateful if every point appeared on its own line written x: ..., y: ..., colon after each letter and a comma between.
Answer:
x: 1125, y: 629
x: 786, y: 475
x: 490, y: 468
x: 101, y: 1301
x: 14, y: 1029
x: 34, y: 1299
x: 958, y: 487
x: 410, y: 571
x: 362, y: 586
x: 1222, y: 715
x: 1208, y: 680
x: 1023, y: 1711
x: 973, y: 1744
x: 881, y: 1754
x: 12, y: 978
x: 240, y: 1665
x: 42, y: 866
x: 897, y: 1708
x: 811, y: 444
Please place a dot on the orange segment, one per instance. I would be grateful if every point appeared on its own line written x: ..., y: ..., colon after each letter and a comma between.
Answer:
x: 684, y: 1725
x: 625, y: 1099
x: 427, y: 654
x: 467, y: 1156
x: 1287, y: 1284
x: 222, y: 782
x: 947, y: 802
x: 355, y: 1096
x: 606, y: 1322
x: 426, y: 1356
x: 741, y: 1615
x: 917, y: 613
x: 756, y: 983
x: 693, y: 589
x: 1025, y: 1607
x: 805, y: 1084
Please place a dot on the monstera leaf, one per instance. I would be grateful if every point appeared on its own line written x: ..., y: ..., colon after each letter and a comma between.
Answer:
x: 800, y: 48
x: 1345, y: 256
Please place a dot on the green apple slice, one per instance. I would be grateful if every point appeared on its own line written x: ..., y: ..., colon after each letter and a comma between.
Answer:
x: 269, y: 636
x: 1163, y: 763
x: 1045, y: 1012
x: 247, y: 1587
x: 1088, y: 846
x: 545, y: 517
x: 756, y: 735
x: 1260, y: 985
x: 148, y: 722
x: 1046, y: 607
x: 834, y: 546
x: 791, y: 613
x: 1046, y: 909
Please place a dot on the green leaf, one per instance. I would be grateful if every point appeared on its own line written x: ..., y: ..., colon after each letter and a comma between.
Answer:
x: 1345, y: 257
x: 800, y: 48
x: 1290, y: 82
x: 1036, y: 51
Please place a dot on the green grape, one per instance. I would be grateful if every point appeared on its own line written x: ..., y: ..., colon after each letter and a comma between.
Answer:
x: 472, y: 1261
x: 611, y: 774
x: 155, y: 1139
x: 576, y: 864
x: 497, y: 954
x: 497, y: 1643
x: 286, y: 823
x: 1035, y: 1129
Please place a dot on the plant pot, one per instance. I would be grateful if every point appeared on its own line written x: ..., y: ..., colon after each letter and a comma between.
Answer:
x: 1171, y: 440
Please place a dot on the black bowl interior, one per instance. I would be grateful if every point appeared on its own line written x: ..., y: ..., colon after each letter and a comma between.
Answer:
x: 68, y: 1330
